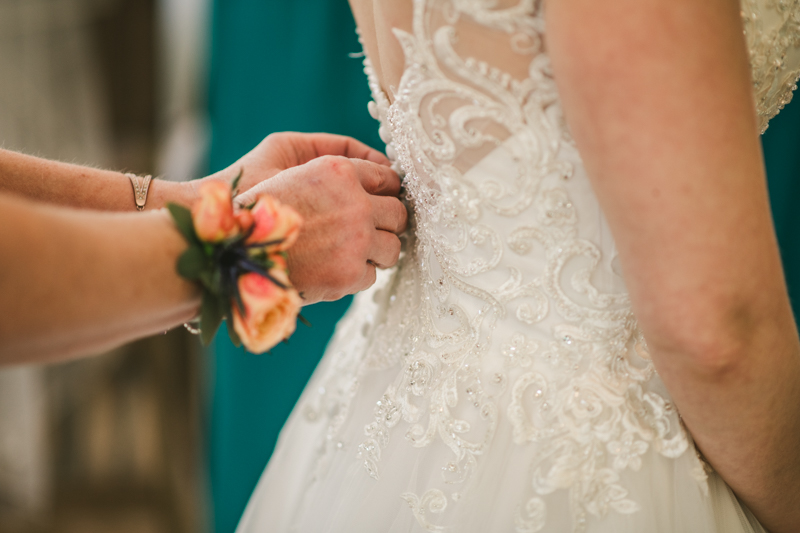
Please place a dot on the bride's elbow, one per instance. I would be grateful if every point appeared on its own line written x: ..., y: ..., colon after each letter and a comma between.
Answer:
x: 709, y: 344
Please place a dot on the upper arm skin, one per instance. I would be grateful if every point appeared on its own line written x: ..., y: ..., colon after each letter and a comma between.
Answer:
x: 658, y: 96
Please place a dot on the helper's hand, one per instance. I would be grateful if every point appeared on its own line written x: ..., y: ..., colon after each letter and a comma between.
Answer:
x: 282, y: 151
x: 352, y: 218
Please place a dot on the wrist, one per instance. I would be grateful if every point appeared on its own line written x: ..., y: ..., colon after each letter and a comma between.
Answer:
x: 163, y: 192
x: 172, y: 244
x: 237, y: 256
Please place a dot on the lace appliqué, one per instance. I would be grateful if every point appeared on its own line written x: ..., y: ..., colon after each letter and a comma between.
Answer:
x: 504, y: 303
x: 772, y: 30
x: 589, y: 414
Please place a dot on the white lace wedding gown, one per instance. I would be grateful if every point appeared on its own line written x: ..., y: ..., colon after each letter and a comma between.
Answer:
x: 496, y: 379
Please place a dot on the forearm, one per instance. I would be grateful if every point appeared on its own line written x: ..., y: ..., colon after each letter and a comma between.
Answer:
x: 90, y: 188
x: 75, y: 283
x: 658, y: 97
x: 81, y: 187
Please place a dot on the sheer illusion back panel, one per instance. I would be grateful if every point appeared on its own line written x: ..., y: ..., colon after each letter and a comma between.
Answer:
x: 487, y: 46
x: 496, y: 379
x: 772, y: 30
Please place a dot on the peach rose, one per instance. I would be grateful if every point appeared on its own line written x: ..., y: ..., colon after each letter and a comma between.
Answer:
x: 270, y: 311
x: 213, y: 213
x: 244, y: 219
x: 274, y: 221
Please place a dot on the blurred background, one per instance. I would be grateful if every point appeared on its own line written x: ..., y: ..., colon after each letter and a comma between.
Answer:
x: 161, y: 435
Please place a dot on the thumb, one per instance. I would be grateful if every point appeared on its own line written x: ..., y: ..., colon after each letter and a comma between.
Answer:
x: 377, y: 179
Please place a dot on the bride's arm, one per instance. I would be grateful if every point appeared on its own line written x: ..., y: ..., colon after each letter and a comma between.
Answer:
x: 658, y: 96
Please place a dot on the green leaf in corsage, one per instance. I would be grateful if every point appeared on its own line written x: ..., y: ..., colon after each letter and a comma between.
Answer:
x: 235, y: 340
x: 183, y: 221
x: 211, y: 315
x: 193, y: 263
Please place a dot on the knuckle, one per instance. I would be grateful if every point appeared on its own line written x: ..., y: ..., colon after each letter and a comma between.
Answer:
x: 381, y: 175
x: 362, y: 210
x: 339, y: 295
x: 375, y: 174
x: 336, y: 294
x: 347, y: 271
x: 337, y: 285
x: 325, y: 161
x: 401, y: 216
x: 278, y: 137
x: 369, y: 279
x: 363, y: 239
x: 338, y: 166
x: 396, y: 248
x: 356, y: 253
x: 352, y: 274
x: 355, y: 215
x: 391, y: 251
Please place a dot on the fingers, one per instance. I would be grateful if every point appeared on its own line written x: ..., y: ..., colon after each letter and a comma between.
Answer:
x: 370, y: 276
x: 328, y: 144
x: 251, y: 194
x: 389, y: 214
x: 308, y: 146
x: 385, y: 250
x: 377, y: 179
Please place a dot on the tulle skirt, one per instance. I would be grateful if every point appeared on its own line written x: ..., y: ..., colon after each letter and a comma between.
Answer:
x: 316, y: 481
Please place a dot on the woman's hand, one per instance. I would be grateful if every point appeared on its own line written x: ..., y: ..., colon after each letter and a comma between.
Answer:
x: 285, y: 150
x: 345, y: 192
x: 351, y: 221
x: 96, y: 279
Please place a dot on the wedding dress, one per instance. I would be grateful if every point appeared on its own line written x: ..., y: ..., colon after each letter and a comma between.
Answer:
x: 496, y: 379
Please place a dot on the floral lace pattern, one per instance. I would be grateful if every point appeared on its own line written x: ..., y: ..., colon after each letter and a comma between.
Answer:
x: 508, y: 303
x: 772, y: 29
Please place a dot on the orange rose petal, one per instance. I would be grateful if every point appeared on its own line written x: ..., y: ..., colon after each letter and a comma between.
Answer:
x: 275, y: 221
x: 270, y: 312
x: 213, y: 212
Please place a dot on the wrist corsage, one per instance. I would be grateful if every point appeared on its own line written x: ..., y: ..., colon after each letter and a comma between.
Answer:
x: 238, y: 256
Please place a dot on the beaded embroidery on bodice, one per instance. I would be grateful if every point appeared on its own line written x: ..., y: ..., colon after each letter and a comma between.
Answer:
x: 509, y: 302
